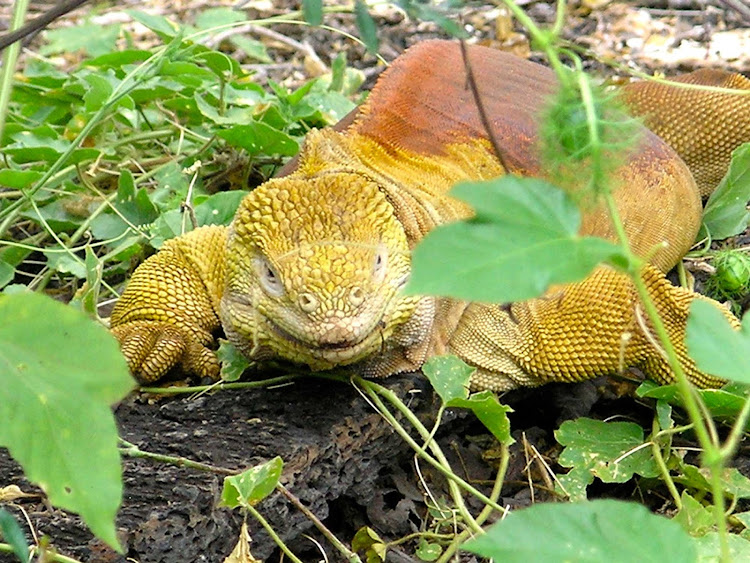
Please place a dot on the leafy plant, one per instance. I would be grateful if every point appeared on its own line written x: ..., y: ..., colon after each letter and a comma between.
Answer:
x: 611, y: 451
x: 53, y: 389
x: 586, y: 532
x: 98, y: 160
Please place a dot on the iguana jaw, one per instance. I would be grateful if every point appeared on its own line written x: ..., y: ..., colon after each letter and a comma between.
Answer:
x: 260, y: 338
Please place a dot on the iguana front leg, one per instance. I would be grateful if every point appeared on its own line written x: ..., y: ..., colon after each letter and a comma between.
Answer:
x: 169, y: 310
x: 578, y: 331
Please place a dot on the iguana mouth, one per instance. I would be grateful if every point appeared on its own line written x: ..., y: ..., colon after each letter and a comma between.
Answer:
x: 344, y: 350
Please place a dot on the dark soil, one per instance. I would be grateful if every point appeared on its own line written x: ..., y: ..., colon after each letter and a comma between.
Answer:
x: 342, y: 460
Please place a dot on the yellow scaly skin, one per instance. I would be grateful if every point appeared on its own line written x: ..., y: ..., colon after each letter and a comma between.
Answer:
x: 311, y: 267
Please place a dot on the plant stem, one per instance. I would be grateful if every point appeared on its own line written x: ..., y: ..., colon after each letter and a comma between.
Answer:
x: 54, y: 557
x: 373, y: 391
x: 337, y: 543
x: 131, y: 450
x: 219, y: 386
x: 659, y: 457
x: 440, y: 458
x: 737, y: 433
x: 499, y: 481
x: 271, y: 532
x: 9, y: 63
x: 712, y: 454
x: 459, y: 539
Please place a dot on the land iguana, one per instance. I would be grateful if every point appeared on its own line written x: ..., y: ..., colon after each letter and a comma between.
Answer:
x: 312, y: 267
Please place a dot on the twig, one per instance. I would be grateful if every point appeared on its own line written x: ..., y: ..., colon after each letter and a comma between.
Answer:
x: 348, y: 553
x: 131, y: 450
x: 480, y: 107
x: 738, y: 6
x: 40, y: 22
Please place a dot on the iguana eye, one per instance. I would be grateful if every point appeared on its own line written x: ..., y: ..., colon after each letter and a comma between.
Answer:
x: 380, y: 265
x: 269, y: 279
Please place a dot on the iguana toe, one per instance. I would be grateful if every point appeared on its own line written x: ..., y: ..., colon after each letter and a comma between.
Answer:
x: 153, y: 348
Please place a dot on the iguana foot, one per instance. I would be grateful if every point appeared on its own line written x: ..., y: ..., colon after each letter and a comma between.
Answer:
x: 152, y: 348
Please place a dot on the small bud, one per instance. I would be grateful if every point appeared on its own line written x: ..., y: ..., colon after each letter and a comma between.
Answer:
x: 732, y: 272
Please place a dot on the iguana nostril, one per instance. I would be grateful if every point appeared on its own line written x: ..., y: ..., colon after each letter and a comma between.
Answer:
x: 307, y: 302
x: 356, y: 296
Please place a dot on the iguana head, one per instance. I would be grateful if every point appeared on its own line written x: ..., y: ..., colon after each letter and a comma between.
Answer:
x: 314, y: 269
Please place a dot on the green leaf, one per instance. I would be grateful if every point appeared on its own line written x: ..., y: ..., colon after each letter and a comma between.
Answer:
x: 522, y: 240
x: 11, y: 532
x: 313, y: 11
x: 449, y: 376
x: 366, y: 25
x: 695, y: 518
x: 427, y: 551
x: 596, y: 531
x: 134, y: 207
x: 252, y: 48
x: 7, y: 273
x: 366, y: 539
x: 222, y: 65
x: 57, y: 215
x: 60, y: 261
x: 733, y: 483
x: 233, y: 362
x: 608, y: 450
x: 488, y: 409
x: 117, y: 59
x: 94, y: 39
x: 253, y: 485
x: 59, y: 372
x: 98, y: 93
x: 217, y: 17
x: 724, y: 404
x: 160, y: 25
x: 664, y: 415
x: 86, y: 299
x: 18, y: 179
x: 338, y: 70
x: 743, y: 517
x: 715, y: 346
x: 726, y: 211
x: 709, y: 549
x: 259, y: 138
x: 219, y: 209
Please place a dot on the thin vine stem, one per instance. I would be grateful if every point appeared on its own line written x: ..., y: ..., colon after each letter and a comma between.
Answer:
x: 48, y: 556
x: 10, y: 57
x: 220, y: 386
x: 374, y: 391
x: 271, y: 532
x: 439, y: 458
x: 712, y: 454
x: 337, y: 543
x: 459, y: 539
